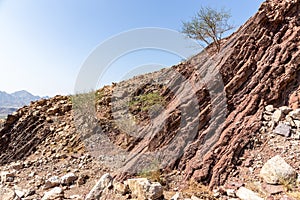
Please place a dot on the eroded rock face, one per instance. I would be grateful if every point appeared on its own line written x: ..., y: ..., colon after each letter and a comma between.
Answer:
x: 258, y: 65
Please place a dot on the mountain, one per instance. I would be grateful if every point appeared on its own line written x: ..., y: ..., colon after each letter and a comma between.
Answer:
x: 223, y: 121
x: 11, y: 102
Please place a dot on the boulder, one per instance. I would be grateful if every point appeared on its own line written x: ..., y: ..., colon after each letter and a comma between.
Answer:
x: 276, y: 171
x: 142, y: 188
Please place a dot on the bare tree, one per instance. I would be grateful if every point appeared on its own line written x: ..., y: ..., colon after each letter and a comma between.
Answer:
x: 208, y: 25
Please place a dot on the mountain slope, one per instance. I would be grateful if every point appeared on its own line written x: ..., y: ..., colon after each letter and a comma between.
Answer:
x: 16, y: 99
x: 11, y: 102
x: 197, y: 117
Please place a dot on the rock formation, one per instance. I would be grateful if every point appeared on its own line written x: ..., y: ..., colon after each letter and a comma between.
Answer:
x: 197, y: 117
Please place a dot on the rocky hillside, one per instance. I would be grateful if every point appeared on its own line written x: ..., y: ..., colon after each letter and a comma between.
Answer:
x: 217, y: 122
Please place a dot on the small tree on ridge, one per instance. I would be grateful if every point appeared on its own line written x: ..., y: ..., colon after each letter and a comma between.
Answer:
x: 208, y: 25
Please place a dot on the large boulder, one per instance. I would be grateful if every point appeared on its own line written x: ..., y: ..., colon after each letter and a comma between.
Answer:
x: 276, y: 171
x: 142, y: 188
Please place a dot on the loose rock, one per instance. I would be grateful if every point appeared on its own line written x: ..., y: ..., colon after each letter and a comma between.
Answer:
x: 276, y: 171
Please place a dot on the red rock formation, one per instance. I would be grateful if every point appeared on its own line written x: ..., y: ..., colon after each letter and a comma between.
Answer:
x: 263, y: 67
x: 259, y: 65
x: 206, y: 123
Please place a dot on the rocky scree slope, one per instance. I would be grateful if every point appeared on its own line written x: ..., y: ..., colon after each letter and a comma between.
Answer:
x: 258, y: 65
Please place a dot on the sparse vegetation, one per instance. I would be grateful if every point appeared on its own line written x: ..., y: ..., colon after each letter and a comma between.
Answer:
x: 147, y: 101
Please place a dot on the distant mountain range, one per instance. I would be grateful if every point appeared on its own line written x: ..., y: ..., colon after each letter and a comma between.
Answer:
x: 11, y: 102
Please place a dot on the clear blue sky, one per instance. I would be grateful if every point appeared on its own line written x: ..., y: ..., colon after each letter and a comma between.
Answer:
x: 43, y: 43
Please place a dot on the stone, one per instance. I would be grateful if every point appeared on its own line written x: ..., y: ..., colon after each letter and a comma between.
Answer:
x: 155, y: 191
x: 283, y: 129
x: 285, y: 109
x: 52, y: 182
x: 277, y: 115
x: 246, y: 194
x: 295, y: 114
x: 267, y: 117
x: 290, y: 120
x: 104, y: 182
x: 297, y: 123
x: 269, y: 108
x: 20, y: 193
x: 276, y: 171
x: 53, y: 194
x: 230, y: 192
x: 68, y: 179
x: 142, y: 188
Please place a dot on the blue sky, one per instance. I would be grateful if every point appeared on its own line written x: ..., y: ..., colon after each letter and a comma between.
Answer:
x: 43, y: 43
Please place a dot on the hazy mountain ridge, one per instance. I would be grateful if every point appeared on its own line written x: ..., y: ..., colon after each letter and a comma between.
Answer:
x: 11, y: 102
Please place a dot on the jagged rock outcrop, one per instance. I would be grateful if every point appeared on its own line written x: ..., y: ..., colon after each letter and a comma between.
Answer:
x: 258, y: 65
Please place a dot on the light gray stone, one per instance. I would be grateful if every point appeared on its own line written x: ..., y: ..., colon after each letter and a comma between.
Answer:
x: 104, y: 182
x: 68, y: 179
x: 269, y: 108
x: 246, y: 194
x: 276, y: 171
x: 52, y: 182
x: 283, y: 129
